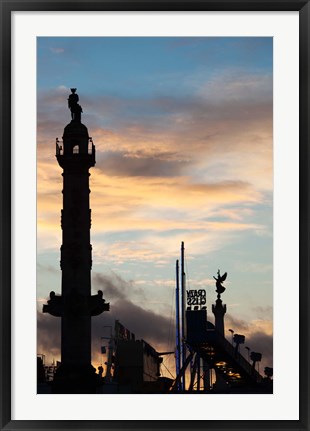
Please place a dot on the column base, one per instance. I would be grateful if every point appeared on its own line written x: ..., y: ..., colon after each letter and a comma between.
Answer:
x: 76, y: 379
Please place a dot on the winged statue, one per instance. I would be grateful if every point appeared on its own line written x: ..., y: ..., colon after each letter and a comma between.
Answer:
x: 219, y: 282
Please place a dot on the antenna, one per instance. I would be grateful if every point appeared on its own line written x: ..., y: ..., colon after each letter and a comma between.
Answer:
x: 183, y: 311
x: 177, y: 310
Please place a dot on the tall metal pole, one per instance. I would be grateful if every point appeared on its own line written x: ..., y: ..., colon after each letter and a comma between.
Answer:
x: 177, y: 314
x: 183, y: 311
x: 198, y: 372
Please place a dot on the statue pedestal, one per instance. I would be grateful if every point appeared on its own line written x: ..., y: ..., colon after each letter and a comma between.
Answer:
x: 219, y: 311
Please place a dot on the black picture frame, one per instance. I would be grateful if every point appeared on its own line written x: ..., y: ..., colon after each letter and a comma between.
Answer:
x: 7, y: 7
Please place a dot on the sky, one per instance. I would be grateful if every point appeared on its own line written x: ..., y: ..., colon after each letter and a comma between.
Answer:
x: 184, y: 152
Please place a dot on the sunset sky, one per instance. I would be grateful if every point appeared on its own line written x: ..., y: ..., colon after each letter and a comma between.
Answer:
x: 184, y: 152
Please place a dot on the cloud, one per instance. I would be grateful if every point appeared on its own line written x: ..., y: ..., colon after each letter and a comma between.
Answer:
x: 238, y: 325
x: 262, y: 343
x: 122, y: 164
x: 263, y: 312
x: 146, y: 324
x: 57, y: 50
x: 255, y: 267
x: 48, y: 335
x: 190, y: 142
x: 244, y: 89
x: 47, y: 268
x: 156, y: 329
x: 215, y: 107
x: 222, y: 129
x: 115, y: 287
x: 186, y: 159
x: 249, y: 327
x: 124, y: 202
x: 258, y: 336
x: 156, y: 243
x: 163, y: 196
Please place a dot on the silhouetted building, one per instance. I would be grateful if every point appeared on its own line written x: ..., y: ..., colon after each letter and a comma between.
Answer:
x: 76, y: 155
x: 137, y: 365
x: 209, y: 353
x: 196, y: 325
x: 40, y: 370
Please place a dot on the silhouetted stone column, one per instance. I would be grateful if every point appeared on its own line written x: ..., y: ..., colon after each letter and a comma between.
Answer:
x: 75, y: 306
x: 219, y: 311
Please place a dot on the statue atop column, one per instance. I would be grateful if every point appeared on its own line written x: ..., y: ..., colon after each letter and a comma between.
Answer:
x: 74, y: 107
x: 219, y: 283
x: 218, y: 309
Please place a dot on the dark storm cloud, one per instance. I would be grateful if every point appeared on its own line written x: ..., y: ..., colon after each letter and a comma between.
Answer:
x: 48, y: 334
x: 262, y: 343
x: 154, y: 328
x: 122, y: 164
x: 236, y: 324
x: 257, y: 341
x: 113, y: 287
x: 146, y: 324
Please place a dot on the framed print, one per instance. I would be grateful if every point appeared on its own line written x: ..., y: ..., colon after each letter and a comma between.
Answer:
x: 154, y: 210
